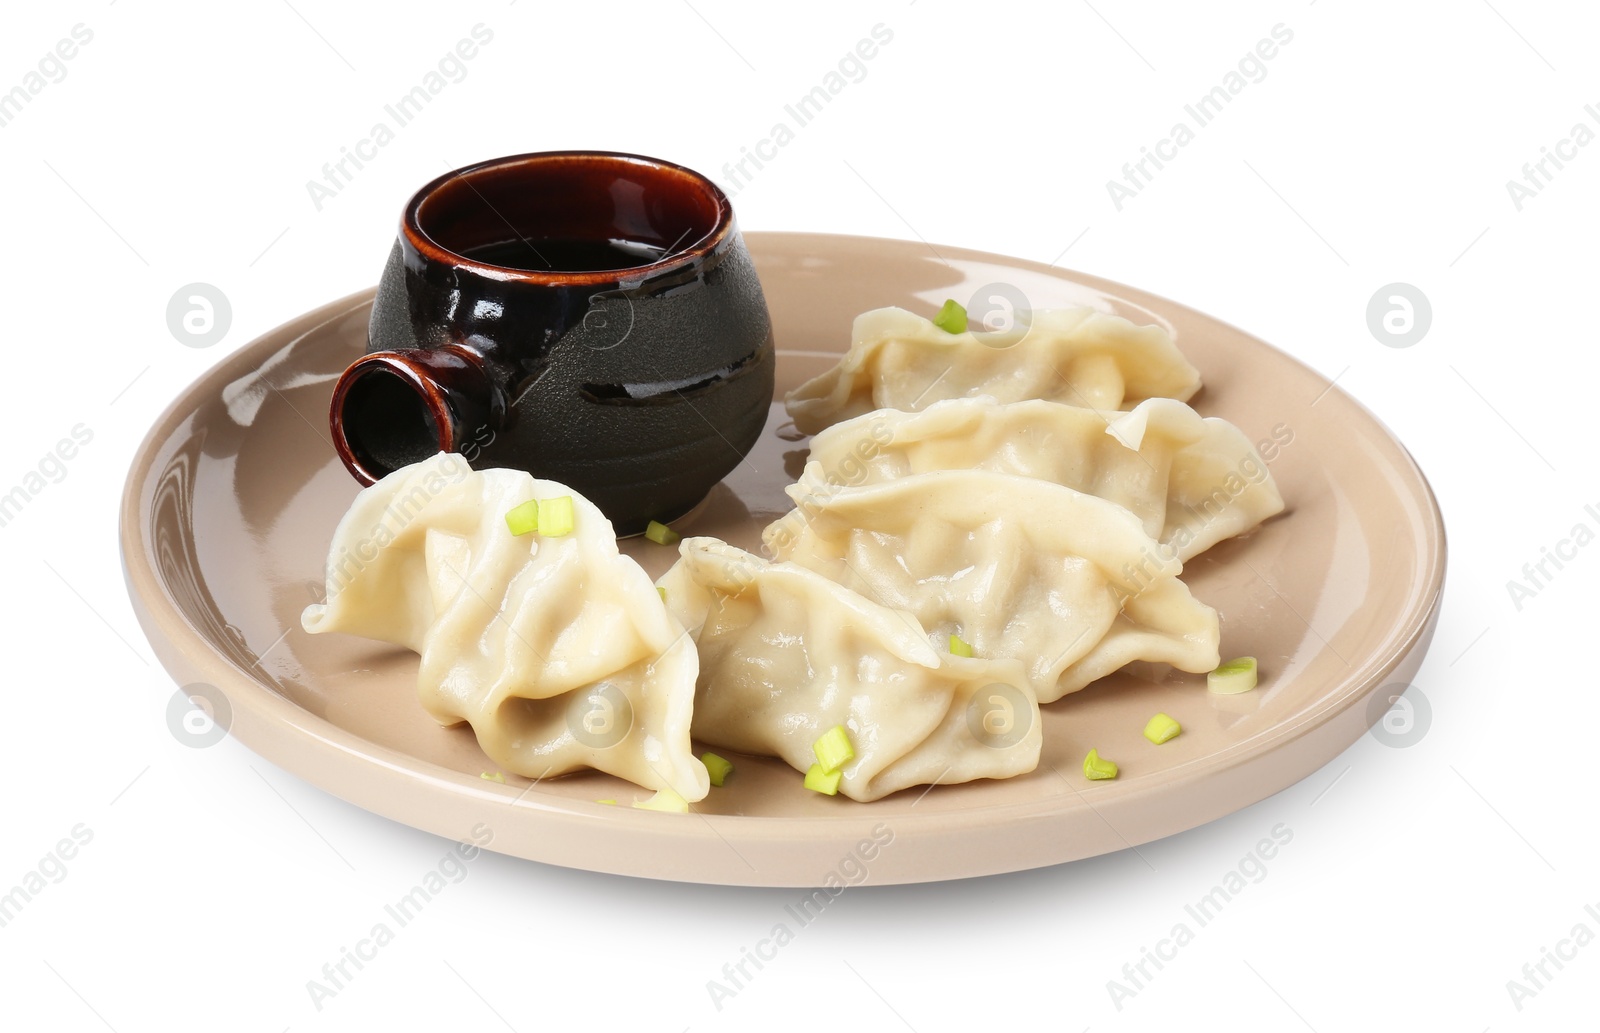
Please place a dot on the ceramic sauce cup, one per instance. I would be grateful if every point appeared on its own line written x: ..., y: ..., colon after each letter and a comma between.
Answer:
x: 590, y: 317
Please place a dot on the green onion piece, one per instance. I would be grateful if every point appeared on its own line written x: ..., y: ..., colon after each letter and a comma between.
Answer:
x: 662, y: 592
x: 833, y: 749
x: 664, y: 800
x: 555, y: 517
x: 959, y: 646
x: 719, y: 768
x: 820, y: 781
x: 524, y: 518
x: 952, y: 318
x: 1096, y: 768
x: 1161, y: 728
x: 1233, y: 677
x: 661, y: 534
x: 493, y: 776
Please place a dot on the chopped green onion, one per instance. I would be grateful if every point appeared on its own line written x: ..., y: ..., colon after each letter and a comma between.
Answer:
x: 1095, y: 767
x: 833, y: 749
x: 661, y: 534
x: 524, y: 518
x: 664, y: 800
x: 1233, y: 677
x: 952, y: 318
x: 555, y: 517
x: 1161, y: 728
x: 493, y: 776
x: 719, y: 768
x: 820, y: 781
x: 959, y: 646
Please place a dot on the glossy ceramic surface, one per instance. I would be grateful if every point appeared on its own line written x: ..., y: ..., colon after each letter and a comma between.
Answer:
x: 233, y: 497
x: 495, y: 335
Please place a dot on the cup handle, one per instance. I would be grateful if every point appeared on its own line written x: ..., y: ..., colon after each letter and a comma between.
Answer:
x: 394, y: 408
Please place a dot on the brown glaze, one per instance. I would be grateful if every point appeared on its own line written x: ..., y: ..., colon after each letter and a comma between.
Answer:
x: 487, y: 202
x: 457, y: 397
x: 641, y: 387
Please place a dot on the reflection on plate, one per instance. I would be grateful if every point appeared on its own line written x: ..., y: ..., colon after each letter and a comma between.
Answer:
x: 236, y: 491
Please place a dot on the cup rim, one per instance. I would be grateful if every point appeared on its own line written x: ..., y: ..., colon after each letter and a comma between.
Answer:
x: 418, y: 240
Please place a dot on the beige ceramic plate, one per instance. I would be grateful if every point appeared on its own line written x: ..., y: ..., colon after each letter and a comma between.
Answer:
x: 234, y: 495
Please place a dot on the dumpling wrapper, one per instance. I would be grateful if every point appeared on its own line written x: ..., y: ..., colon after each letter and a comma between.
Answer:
x: 1079, y: 356
x: 1019, y: 568
x: 786, y: 654
x: 1192, y: 482
x: 557, y: 651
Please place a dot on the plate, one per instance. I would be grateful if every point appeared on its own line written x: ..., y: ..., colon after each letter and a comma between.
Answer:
x: 234, y: 494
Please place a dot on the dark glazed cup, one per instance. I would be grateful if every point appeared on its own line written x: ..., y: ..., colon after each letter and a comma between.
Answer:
x: 591, y: 317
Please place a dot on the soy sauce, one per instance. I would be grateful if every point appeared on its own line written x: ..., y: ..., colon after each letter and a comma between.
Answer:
x: 546, y: 254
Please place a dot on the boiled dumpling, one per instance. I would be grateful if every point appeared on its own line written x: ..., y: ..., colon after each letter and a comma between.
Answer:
x: 557, y: 650
x: 1192, y: 482
x: 1080, y: 356
x: 786, y: 654
x: 1069, y: 584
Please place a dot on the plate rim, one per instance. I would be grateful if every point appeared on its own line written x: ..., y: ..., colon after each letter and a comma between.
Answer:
x: 179, y: 645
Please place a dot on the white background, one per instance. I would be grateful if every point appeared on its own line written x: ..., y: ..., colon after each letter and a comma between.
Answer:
x: 1377, y: 149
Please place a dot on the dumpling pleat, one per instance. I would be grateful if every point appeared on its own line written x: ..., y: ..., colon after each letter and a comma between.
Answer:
x: 556, y: 650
